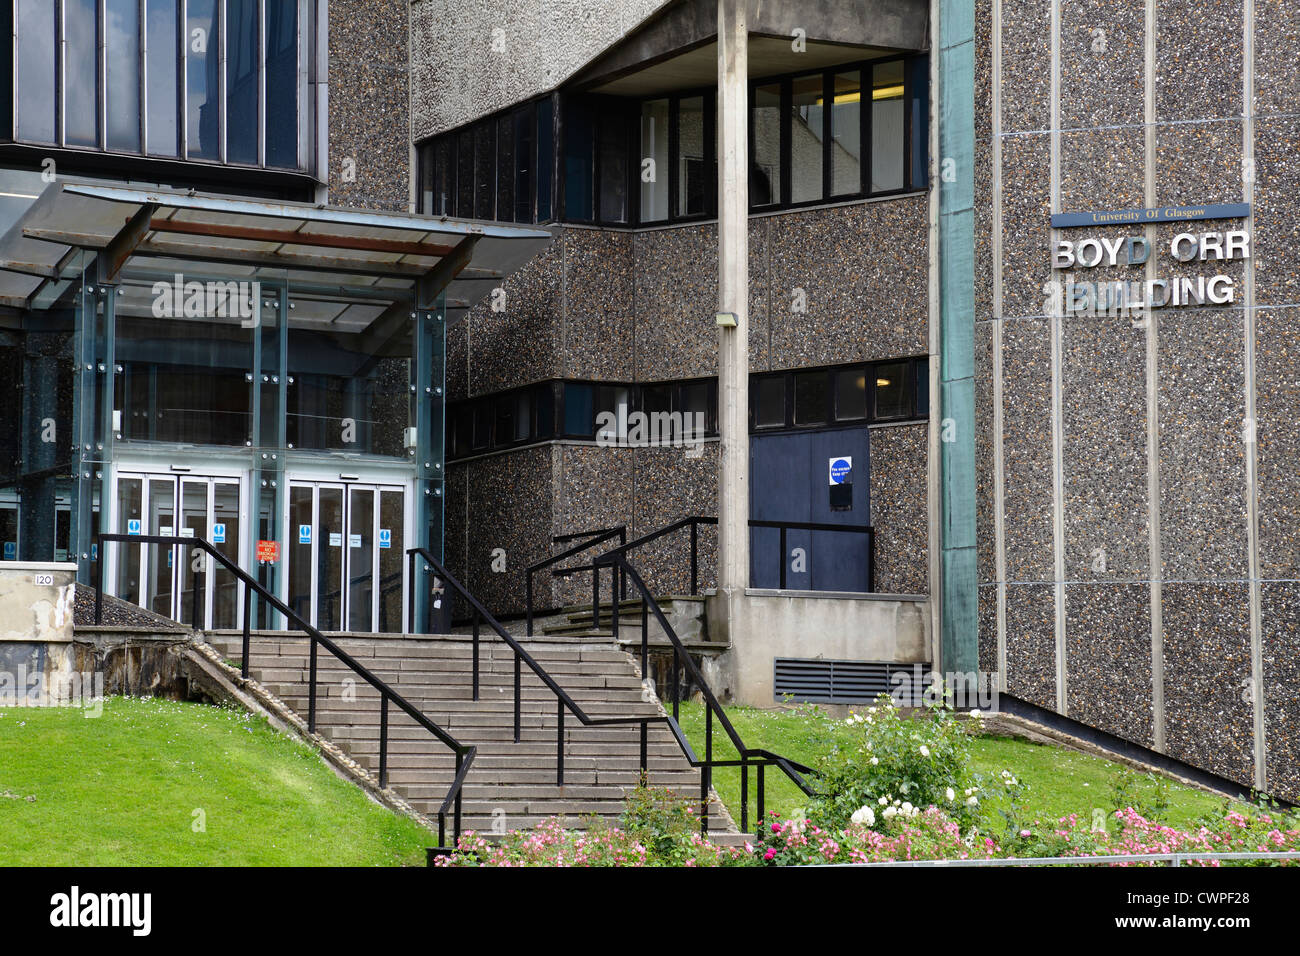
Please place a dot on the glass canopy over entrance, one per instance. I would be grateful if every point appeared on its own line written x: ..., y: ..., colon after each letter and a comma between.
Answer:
x: 268, y: 376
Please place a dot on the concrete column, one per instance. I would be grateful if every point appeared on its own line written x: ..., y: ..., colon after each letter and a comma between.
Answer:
x: 733, y: 297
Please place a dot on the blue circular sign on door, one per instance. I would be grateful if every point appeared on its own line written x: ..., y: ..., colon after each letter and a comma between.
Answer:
x: 840, y: 469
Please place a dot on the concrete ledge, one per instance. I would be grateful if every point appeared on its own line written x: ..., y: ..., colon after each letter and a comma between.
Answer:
x: 837, y: 595
x: 37, y: 601
x: 762, y: 625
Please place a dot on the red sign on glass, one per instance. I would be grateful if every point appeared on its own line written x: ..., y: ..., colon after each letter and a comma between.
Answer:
x: 268, y: 550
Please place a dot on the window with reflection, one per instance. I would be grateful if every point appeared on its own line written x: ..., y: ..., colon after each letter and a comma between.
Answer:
x: 887, y: 118
x: 765, y: 146
x: 807, y: 135
x: 211, y: 80
x: 654, y: 163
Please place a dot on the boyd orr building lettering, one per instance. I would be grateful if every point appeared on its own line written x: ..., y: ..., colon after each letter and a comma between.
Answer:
x: 940, y: 337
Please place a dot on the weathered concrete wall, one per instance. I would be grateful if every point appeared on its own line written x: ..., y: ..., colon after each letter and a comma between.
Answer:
x: 36, y: 601
x: 775, y: 624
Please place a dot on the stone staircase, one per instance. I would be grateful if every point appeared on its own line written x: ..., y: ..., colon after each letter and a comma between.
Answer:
x: 510, y: 785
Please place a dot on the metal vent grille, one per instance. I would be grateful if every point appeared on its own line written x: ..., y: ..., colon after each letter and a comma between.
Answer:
x: 817, y: 681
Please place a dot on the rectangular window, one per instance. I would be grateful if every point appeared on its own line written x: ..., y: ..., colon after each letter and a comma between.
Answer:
x: 887, y: 127
x: 807, y: 134
x: 80, y: 73
x: 443, y: 158
x: 579, y: 410
x: 891, y: 391
x: 579, y: 164
x: 465, y: 174
x: 810, y: 398
x: 846, y: 133
x: 36, y: 71
x: 525, y: 163
x: 242, y: 53
x: 919, y: 97
x: 697, y: 409
x: 545, y: 158
x: 850, y: 394
x: 765, y: 146
x: 613, y: 166
x: 484, y: 170
x: 162, y: 19
x: 922, y: 372
x: 507, y: 417
x: 282, y: 83
x: 692, y: 156
x: 123, y: 42
x: 505, y: 167
x: 653, y: 161
x: 769, y: 402
x: 203, y: 81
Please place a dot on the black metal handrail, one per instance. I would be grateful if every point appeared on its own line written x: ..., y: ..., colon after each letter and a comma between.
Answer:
x: 694, y: 522
x: 599, y: 536
x: 761, y: 759
x: 464, y: 752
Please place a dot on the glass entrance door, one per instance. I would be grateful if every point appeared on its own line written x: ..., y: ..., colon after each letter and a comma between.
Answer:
x: 347, y: 555
x: 168, y: 580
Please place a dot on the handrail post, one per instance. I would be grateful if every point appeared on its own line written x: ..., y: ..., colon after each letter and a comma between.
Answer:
x: 99, y: 592
x: 476, y: 621
x: 695, y: 563
x: 871, y: 561
x: 762, y: 791
x: 517, y: 694
x: 677, y: 690
x: 460, y: 761
x: 782, y: 549
x: 645, y: 638
x: 644, y: 753
x: 595, y: 596
x: 248, y: 630
x: 613, y: 582
x: 528, y: 602
x: 559, y: 743
x: 706, y: 771
x: 194, y: 611
x: 383, y: 741
x: 744, y: 793
x: 311, y: 689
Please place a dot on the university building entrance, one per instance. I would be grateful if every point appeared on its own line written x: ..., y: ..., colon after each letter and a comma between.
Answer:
x: 347, y: 550
x: 168, y: 580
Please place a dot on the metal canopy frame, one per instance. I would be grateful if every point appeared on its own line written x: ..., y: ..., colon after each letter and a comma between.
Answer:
x: 375, y: 277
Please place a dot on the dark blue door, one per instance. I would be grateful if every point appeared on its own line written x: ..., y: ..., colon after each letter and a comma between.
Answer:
x: 790, y: 480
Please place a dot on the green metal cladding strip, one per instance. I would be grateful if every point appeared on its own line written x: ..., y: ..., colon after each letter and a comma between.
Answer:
x: 956, y: 108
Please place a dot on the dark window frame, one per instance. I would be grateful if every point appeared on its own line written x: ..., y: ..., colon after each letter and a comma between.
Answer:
x: 916, y: 369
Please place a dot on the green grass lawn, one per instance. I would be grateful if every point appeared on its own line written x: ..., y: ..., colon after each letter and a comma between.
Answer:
x: 132, y: 786
x: 1060, y: 781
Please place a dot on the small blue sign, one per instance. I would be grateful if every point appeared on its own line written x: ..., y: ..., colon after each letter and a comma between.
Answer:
x: 385, y: 538
x: 94, y: 552
x: 11, y: 550
x: 304, y: 534
x: 218, y: 533
x: 133, y: 526
x: 840, y: 470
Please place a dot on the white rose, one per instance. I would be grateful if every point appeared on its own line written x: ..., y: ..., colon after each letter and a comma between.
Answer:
x: 890, y: 812
x: 971, y: 801
x: 874, y: 761
x: 884, y: 801
x: 869, y: 818
x: 925, y: 751
x: 907, y: 808
x: 950, y: 795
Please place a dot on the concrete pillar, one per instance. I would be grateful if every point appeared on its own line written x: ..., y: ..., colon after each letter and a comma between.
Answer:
x: 733, y: 297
